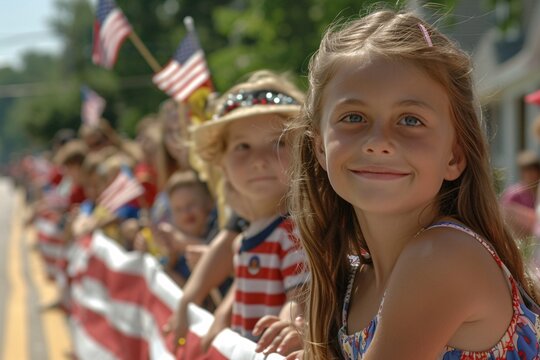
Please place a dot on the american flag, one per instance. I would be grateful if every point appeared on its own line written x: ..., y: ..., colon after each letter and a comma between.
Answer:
x: 110, y: 29
x: 122, y: 190
x: 186, y: 72
x: 92, y: 106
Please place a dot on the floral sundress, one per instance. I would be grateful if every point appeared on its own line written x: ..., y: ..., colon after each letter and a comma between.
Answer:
x: 519, y: 342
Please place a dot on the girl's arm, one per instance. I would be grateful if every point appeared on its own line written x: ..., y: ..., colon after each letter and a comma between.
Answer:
x: 445, y: 289
x: 213, y: 268
x: 222, y: 319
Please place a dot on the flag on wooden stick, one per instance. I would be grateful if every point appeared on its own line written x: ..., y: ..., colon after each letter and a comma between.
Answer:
x: 110, y: 30
x: 92, y: 106
x: 186, y: 72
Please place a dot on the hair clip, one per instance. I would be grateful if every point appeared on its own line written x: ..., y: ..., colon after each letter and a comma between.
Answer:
x: 426, y: 34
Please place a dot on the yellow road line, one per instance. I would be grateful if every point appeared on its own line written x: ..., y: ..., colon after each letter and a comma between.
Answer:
x: 15, y: 339
x: 55, y: 327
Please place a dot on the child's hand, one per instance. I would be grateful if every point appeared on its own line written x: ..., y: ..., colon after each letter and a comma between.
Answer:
x: 170, y: 238
x: 278, y: 336
x: 178, y: 325
x: 140, y: 243
x: 83, y: 224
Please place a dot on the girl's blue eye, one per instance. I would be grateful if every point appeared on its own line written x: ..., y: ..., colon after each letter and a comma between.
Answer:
x: 410, y: 121
x: 353, y: 118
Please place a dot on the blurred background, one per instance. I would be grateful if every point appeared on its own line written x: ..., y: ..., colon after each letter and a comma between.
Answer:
x: 46, y: 46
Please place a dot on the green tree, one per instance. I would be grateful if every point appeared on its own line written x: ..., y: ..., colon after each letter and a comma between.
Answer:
x: 238, y: 36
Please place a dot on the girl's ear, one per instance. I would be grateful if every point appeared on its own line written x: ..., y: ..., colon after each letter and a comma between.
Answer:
x: 319, y: 151
x: 456, y: 165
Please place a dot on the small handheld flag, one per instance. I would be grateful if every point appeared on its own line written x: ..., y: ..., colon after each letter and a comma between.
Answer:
x: 110, y: 30
x: 92, y: 106
x: 122, y: 190
x: 186, y: 72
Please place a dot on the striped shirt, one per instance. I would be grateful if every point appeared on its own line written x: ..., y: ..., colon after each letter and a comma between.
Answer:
x: 267, y: 265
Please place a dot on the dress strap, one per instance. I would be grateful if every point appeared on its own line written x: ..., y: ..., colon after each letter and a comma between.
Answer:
x: 355, y: 264
x: 463, y: 228
x: 486, y: 245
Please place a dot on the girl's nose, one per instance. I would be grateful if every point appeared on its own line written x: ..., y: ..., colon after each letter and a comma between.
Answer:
x: 261, y: 158
x: 378, y: 142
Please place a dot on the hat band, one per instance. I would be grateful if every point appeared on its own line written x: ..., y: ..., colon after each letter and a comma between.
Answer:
x: 250, y: 98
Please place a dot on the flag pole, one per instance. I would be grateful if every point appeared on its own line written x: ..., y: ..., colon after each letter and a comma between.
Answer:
x: 188, y: 23
x: 182, y: 109
x: 215, y: 295
x: 150, y: 60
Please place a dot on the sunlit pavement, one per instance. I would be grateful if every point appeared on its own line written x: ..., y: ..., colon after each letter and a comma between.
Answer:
x: 28, y: 330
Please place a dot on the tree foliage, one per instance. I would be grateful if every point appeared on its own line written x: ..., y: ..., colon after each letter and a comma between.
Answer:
x: 238, y: 36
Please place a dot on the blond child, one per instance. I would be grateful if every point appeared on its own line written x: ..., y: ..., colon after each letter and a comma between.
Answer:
x: 245, y: 139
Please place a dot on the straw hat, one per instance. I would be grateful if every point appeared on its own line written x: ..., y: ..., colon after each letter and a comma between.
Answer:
x: 264, y: 93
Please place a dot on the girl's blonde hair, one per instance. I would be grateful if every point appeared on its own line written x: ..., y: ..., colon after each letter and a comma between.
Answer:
x: 327, y: 223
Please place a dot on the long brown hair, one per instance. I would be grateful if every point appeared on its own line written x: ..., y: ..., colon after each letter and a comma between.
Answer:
x: 316, y: 206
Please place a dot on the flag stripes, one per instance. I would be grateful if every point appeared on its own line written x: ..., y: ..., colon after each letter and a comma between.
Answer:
x: 122, y: 190
x: 186, y: 72
x: 110, y: 30
x: 92, y: 106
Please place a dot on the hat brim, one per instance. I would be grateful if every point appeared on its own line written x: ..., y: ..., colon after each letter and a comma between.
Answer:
x: 206, y: 134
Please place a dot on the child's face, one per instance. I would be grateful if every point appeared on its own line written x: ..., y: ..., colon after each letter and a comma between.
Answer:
x: 387, y: 139
x: 256, y: 158
x: 190, y: 208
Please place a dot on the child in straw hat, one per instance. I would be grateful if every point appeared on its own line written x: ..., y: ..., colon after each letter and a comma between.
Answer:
x: 245, y: 140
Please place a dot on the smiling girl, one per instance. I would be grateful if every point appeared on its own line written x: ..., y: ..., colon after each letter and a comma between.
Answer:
x: 393, y: 197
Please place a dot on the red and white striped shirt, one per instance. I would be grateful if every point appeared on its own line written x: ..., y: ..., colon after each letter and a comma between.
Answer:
x: 267, y: 265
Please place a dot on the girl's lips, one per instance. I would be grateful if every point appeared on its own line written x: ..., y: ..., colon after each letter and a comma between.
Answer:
x: 380, y: 174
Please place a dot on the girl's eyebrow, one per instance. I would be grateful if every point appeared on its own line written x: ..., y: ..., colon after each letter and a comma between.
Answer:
x: 235, y: 137
x: 416, y: 102
x: 404, y: 102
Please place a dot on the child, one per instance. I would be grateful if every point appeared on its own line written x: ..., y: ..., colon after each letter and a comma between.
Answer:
x: 392, y: 166
x: 71, y: 157
x: 191, y: 207
x: 245, y: 139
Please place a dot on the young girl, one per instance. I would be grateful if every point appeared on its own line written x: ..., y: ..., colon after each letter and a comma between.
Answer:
x: 392, y: 166
x: 245, y: 139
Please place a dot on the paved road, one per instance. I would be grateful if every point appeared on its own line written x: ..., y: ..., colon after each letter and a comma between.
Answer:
x: 26, y: 330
